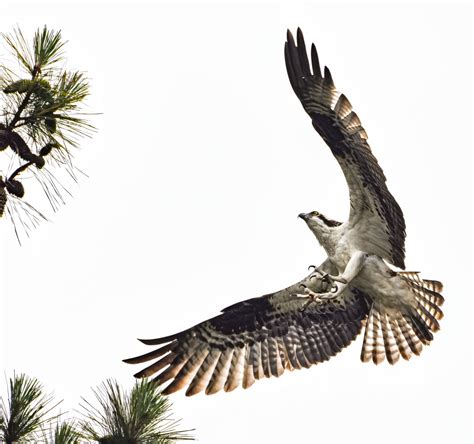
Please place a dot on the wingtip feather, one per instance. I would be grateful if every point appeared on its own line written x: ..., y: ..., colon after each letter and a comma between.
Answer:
x: 157, y: 341
x: 299, y: 37
x: 328, y: 77
x: 289, y: 37
x: 315, y: 61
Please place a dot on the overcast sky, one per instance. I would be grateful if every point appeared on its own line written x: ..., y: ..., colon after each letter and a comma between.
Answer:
x: 202, y: 161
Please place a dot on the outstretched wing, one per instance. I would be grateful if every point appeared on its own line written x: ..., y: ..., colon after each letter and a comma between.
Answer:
x: 376, y: 221
x: 256, y: 338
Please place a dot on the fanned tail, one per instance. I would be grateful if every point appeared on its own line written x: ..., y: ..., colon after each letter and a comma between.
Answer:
x: 391, y: 333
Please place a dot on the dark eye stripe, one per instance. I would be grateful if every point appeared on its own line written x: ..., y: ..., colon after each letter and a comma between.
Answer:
x: 329, y: 222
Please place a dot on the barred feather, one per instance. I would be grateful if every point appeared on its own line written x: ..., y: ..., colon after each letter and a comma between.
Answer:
x: 236, y: 370
x: 368, y: 345
x: 393, y: 332
x: 428, y: 298
x: 400, y: 339
x: 390, y: 344
x: 253, y: 339
x: 204, y: 373
x: 412, y: 339
x: 249, y: 378
x: 256, y: 360
x: 378, y: 354
x: 221, y: 371
x: 187, y: 372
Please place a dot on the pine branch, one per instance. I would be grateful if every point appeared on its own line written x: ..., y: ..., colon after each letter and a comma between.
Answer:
x: 42, y: 118
x: 19, y: 170
x: 139, y: 416
x: 23, y: 105
x: 26, y: 410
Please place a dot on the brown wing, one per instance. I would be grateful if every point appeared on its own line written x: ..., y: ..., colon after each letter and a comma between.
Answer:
x: 376, y: 220
x: 256, y: 338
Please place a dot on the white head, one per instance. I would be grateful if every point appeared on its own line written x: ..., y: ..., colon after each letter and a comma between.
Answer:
x: 322, y: 227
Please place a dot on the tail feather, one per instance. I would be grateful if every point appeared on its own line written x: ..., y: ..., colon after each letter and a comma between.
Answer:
x: 435, y: 286
x: 391, y: 333
x: 400, y: 339
x: 374, y: 345
x: 429, y: 319
x: 391, y: 349
x: 419, y: 327
x: 425, y: 289
x: 412, y: 339
x: 432, y: 308
x: 379, y: 350
x: 427, y: 295
x: 368, y: 346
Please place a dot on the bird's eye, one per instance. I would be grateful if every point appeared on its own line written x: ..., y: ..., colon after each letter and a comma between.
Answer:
x: 315, y: 213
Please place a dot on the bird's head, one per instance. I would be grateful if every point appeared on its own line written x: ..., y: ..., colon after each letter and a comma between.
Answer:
x: 318, y: 223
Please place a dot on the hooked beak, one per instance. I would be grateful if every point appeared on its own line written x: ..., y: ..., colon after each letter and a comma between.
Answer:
x: 304, y: 216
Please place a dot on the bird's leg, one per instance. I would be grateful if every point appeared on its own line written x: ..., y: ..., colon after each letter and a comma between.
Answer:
x: 308, y: 293
x: 326, y: 277
x: 353, y: 267
x: 323, y: 276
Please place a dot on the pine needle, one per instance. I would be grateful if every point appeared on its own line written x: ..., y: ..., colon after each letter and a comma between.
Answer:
x: 42, y: 110
x: 63, y: 432
x: 139, y: 416
x: 26, y: 409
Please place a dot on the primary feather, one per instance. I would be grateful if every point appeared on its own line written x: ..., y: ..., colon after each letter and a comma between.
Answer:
x: 376, y: 220
x: 256, y: 338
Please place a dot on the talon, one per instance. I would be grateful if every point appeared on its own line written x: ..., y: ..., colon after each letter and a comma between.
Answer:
x: 307, y: 292
x: 322, y: 276
x: 312, y: 267
x: 325, y: 277
x: 327, y: 296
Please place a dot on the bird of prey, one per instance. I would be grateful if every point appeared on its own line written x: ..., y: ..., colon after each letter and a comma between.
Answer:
x: 314, y: 319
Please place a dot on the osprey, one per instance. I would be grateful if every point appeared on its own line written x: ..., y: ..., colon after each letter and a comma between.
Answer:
x: 316, y: 318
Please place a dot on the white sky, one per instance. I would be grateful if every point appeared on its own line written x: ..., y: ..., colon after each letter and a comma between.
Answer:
x: 203, y: 159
